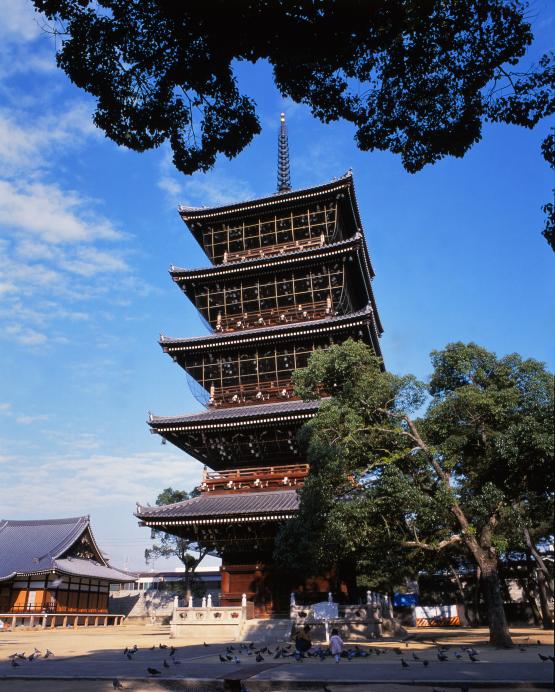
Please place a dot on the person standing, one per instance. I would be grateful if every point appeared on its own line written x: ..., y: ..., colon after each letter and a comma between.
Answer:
x: 336, y: 645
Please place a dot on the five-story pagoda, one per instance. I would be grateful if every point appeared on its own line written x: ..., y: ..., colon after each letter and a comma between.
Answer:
x: 290, y: 273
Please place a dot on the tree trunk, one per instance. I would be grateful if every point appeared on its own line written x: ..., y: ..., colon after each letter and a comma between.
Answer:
x: 477, y: 590
x: 462, y: 593
x: 548, y: 579
x: 544, y: 603
x: 499, y: 634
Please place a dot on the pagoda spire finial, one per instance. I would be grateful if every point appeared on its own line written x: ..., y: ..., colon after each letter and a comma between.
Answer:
x: 284, y: 176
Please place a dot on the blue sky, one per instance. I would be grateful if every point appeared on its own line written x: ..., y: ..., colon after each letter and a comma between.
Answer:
x: 88, y: 231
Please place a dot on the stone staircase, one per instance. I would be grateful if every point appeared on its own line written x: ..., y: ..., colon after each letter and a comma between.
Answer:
x: 268, y: 631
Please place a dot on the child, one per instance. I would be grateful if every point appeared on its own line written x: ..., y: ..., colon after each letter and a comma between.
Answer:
x: 336, y: 645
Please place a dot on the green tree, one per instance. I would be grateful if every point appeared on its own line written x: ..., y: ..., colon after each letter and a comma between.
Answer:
x: 395, y: 492
x: 169, y: 545
x: 417, y: 78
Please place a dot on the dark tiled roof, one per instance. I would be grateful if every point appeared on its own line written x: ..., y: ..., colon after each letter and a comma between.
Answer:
x: 207, y: 505
x: 194, y: 213
x: 292, y: 330
x: 221, y: 416
x: 270, y: 262
x: 34, y: 546
x: 91, y: 568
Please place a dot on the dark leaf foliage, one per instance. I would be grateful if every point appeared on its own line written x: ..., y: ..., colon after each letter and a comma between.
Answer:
x: 415, y: 78
x: 375, y: 496
x: 168, y: 545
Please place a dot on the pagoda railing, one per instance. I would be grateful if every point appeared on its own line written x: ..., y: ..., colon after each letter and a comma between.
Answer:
x: 275, y: 249
x: 260, y: 393
x: 254, y: 478
x: 275, y: 316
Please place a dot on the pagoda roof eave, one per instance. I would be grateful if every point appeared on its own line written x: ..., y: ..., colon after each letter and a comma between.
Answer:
x: 275, y: 505
x: 195, y: 214
x: 260, y: 335
x: 268, y: 262
x: 242, y: 416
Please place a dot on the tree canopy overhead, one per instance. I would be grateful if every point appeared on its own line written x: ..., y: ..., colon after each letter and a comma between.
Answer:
x: 398, y: 495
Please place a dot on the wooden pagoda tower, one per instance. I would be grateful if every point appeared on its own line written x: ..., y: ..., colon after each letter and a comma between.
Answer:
x: 290, y: 273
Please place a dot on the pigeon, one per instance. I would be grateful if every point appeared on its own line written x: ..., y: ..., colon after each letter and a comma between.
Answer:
x: 426, y: 663
x: 398, y: 651
x: 32, y: 656
x: 172, y: 651
x: 153, y: 647
x: 472, y: 657
x: 129, y: 656
x: 415, y: 657
x: 48, y: 653
x: 166, y: 664
x: 543, y: 658
x: 458, y: 655
x: 538, y: 642
x: 442, y: 657
x: 277, y: 654
x: 237, y: 661
x: 229, y: 657
x: 117, y: 684
x: 205, y: 644
x: 14, y: 664
x: 125, y: 651
x: 135, y: 648
x: 222, y: 659
x: 162, y: 646
x: 404, y: 663
x: 259, y: 657
x: 154, y: 671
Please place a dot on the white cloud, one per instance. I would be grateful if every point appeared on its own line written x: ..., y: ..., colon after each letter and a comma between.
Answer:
x: 24, y: 335
x: 5, y: 408
x: 86, y: 483
x: 50, y: 214
x: 19, y: 21
x: 28, y: 143
x: 201, y: 189
x: 28, y: 420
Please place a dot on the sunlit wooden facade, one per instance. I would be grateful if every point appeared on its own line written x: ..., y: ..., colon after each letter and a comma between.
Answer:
x: 53, y: 566
x: 291, y: 273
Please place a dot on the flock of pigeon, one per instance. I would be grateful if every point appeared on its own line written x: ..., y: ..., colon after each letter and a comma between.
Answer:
x: 17, y: 659
x: 232, y: 655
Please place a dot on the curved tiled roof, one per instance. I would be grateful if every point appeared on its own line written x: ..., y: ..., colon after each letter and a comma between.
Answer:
x: 290, y: 330
x: 90, y: 568
x: 214, y: 506
x: 197, y: 213
x: 271, y: 262
x: 34, y: 546
x: 241, y: 414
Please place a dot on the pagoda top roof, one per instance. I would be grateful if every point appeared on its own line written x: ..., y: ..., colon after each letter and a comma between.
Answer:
x: 223, y: 509
x: 191, y: 214
x: 271, y: 262
x: 38, y: 546
x: 235, y: 417
x: 261, y: 334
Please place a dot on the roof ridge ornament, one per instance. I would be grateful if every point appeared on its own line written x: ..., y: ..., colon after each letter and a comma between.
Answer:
x: 284, y: 175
